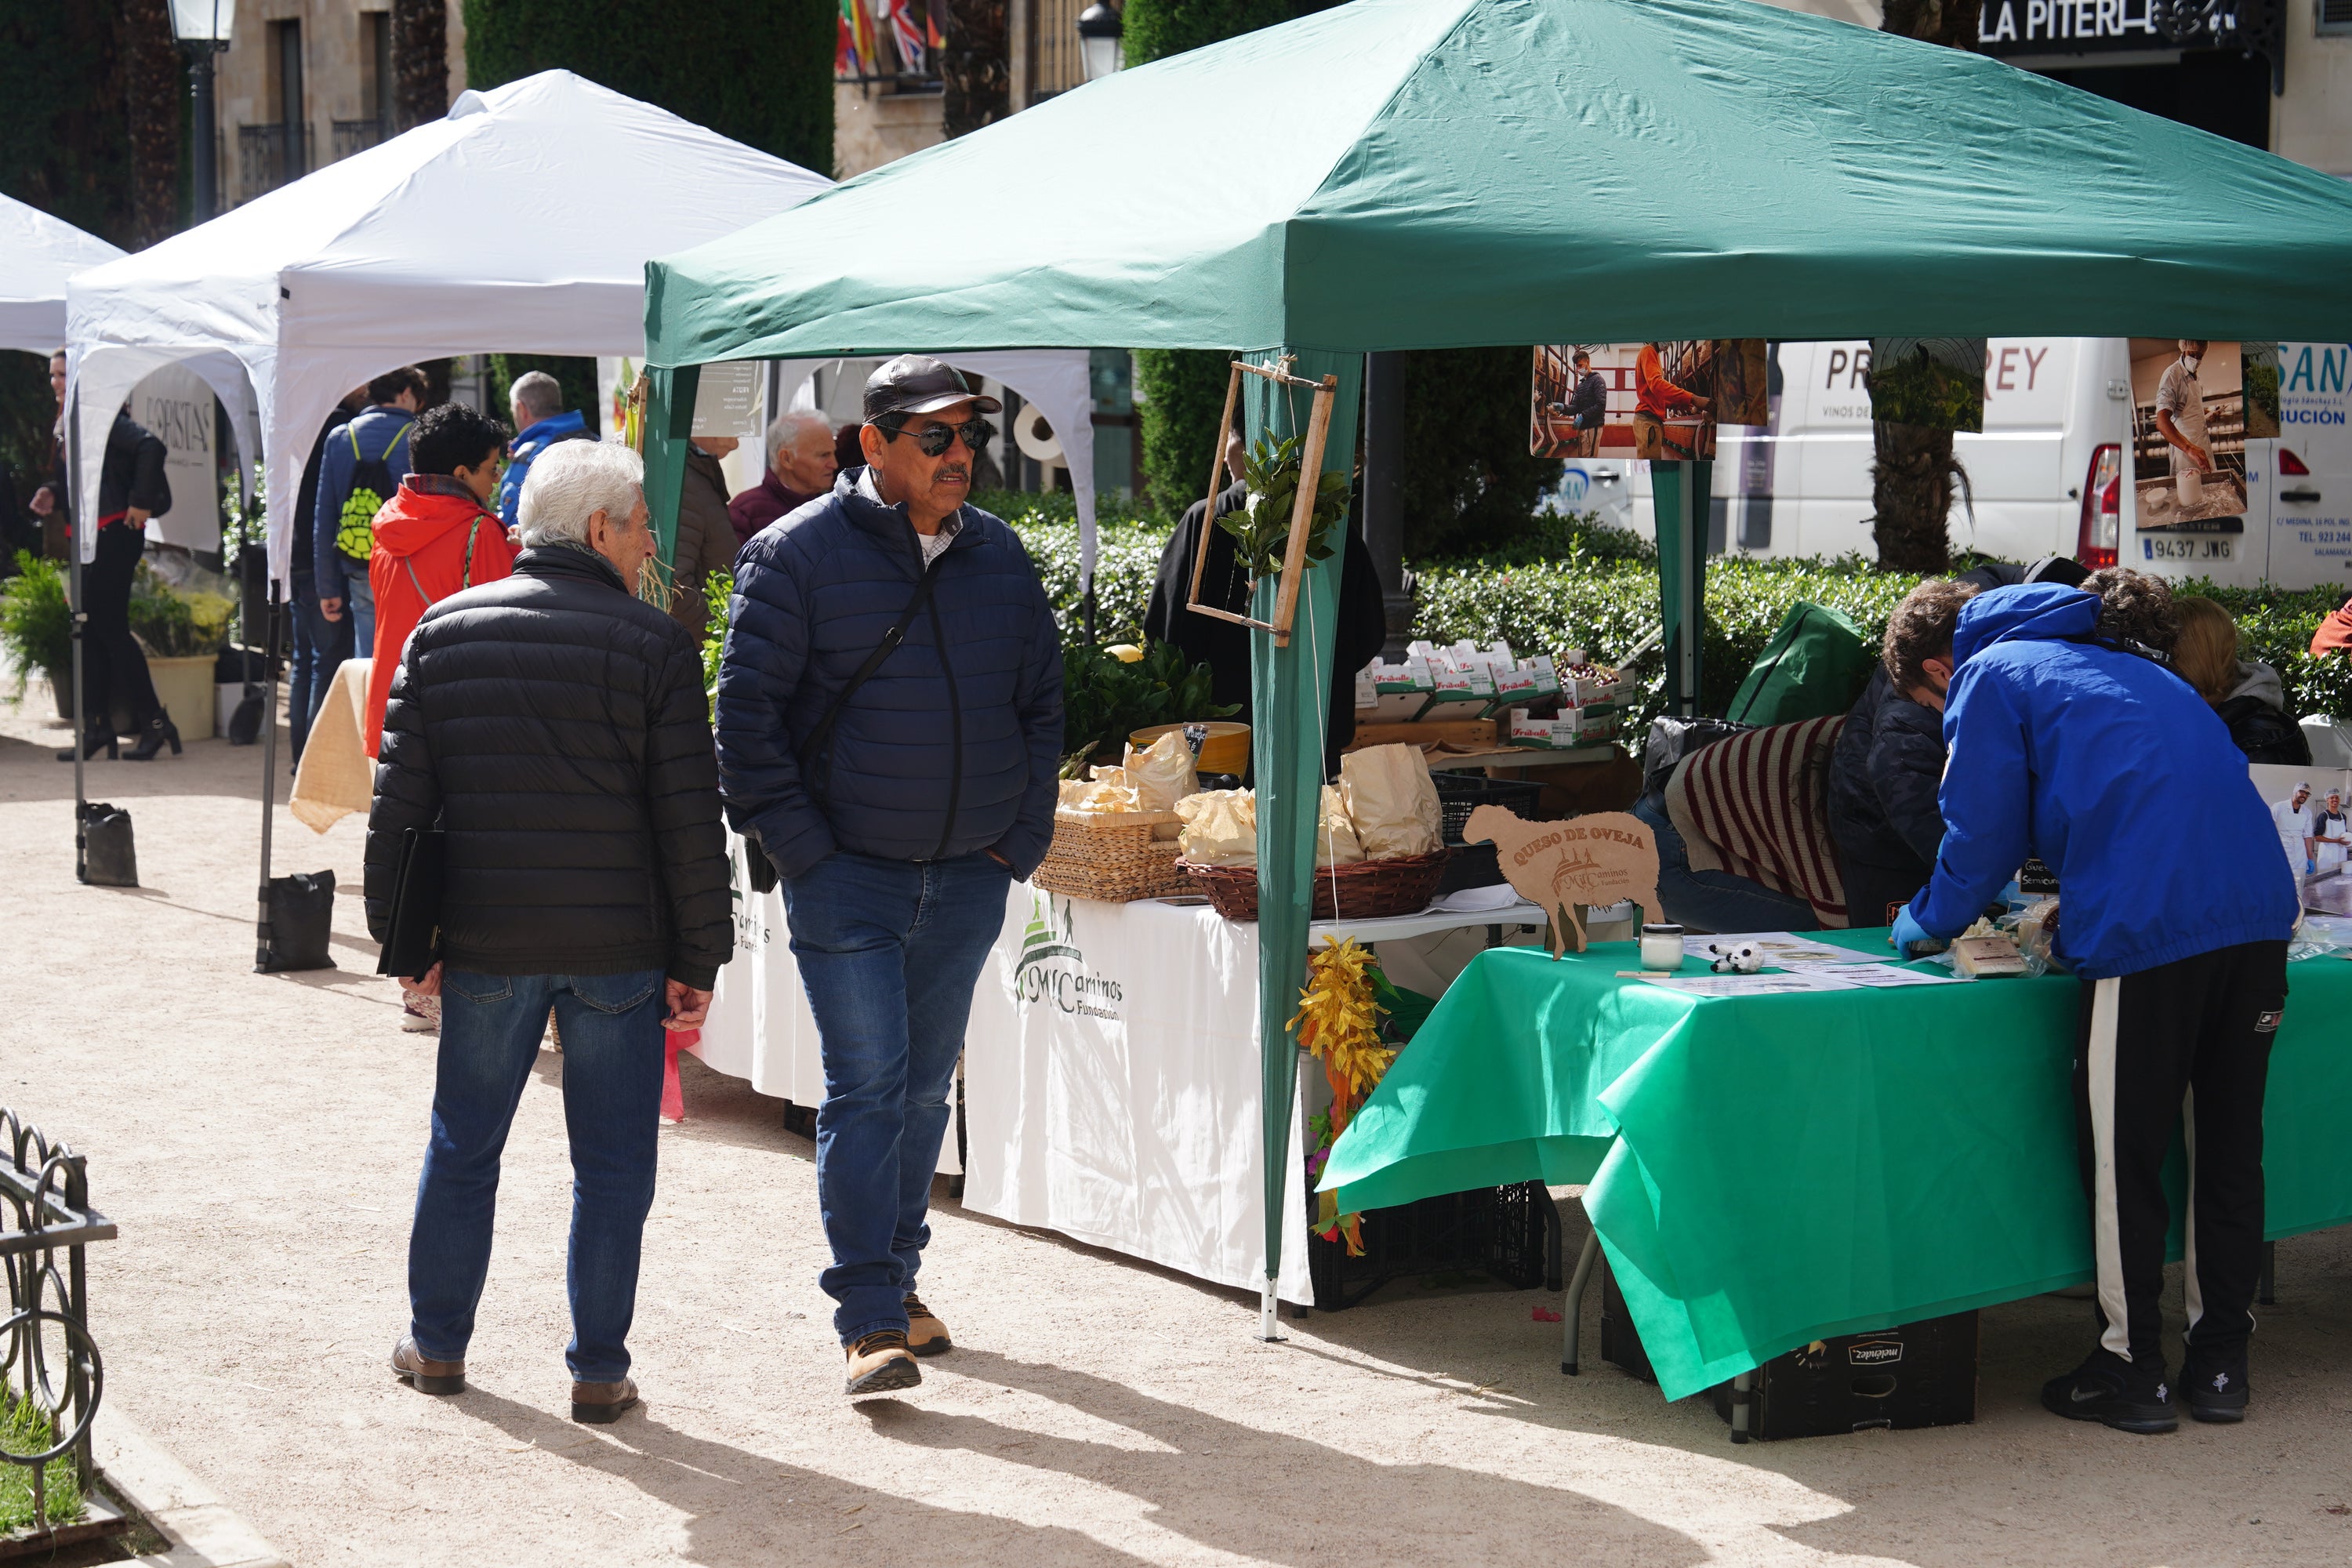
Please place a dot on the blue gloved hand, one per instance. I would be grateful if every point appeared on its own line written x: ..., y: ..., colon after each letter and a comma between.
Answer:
x: 2310, y: 866
x: 1906, y: 931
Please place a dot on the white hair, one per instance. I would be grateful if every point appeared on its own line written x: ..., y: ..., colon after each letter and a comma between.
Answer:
x: 785, y: 428
x: 538, y: 394
x: 571, y: 482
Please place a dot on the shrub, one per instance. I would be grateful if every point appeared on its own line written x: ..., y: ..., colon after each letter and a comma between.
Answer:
x: 36, y: 622
x: 2275, y: 626
x: 177, y: 623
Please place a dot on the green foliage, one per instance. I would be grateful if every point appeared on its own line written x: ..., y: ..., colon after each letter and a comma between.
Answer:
x: 760, y: 71
x: 1154, y: 29
x: 718, y: 593
x: 67, y: 147
x: 177, y: 623
x: 1469, y: 481
x: 26, y: 1428
x: 36, y: 621
x: 1105, y: 700
x: 1562, y: 538
x: 1180, y: 395
x: 1261, y: 530
x: 28, y: 414
x: 576, y: 376
x: 1128, y: 560
x: 2275, y: 628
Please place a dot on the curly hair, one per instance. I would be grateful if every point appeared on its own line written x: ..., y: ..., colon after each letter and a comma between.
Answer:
x: 1921, y: 629
x: 2136, y: 607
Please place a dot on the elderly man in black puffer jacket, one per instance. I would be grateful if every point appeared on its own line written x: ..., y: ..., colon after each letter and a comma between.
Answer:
x: 554, y: 726
x: 1889, y: 760
x: 889, y: 726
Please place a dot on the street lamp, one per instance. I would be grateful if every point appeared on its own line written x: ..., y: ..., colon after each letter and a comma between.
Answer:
x: 1098, y: 32
x: 202, y: 29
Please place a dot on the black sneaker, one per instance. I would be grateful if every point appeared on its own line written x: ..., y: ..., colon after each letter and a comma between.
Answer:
x: 2113, y: 1392
x: 2214, y: 1382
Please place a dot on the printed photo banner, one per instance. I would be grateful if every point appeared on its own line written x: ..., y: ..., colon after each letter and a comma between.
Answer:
x: 2189, y: 434
x: 1656, y: 400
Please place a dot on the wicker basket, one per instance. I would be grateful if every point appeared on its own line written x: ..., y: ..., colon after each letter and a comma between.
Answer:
x: 1111, y: 856
x: 1369, y: 890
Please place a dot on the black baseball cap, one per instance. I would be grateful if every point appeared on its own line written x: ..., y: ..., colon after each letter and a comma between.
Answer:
x: 918, y: 384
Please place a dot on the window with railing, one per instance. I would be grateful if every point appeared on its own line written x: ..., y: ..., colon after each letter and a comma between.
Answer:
x: 895, y: 43
x: 267, y: 156
x: 356, y: 136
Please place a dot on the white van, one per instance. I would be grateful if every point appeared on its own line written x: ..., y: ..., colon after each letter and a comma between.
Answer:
x: 2049, y: 473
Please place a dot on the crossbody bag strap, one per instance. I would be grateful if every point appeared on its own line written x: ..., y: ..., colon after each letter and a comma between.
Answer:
x: 821, y: 735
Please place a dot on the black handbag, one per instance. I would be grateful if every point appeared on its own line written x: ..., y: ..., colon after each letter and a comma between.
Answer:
x: 413, y: 935
x: 1671, y: 739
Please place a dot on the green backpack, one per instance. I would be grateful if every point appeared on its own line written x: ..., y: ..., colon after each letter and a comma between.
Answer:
x: 1816, y: 665
x: 371, y: 486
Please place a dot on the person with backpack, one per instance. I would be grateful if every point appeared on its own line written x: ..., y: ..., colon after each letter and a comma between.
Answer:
x: 436, y: 535
x: 2071, y: 741
x: 358, y: 474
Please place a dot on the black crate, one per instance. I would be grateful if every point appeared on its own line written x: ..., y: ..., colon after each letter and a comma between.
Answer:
x: 1621, y: 1346
x: 1919, y: 1374
x: 1460, y: 794
x: 1494, y: 1231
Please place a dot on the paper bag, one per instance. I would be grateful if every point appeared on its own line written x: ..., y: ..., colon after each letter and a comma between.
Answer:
x: 1220, y: 827
x: 1335, y: 836
x: 1162, y: 773
x: 1389, y: 798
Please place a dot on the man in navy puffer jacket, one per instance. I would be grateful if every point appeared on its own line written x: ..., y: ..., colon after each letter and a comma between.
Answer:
x: 2069, y: 741
x: 896, y: 809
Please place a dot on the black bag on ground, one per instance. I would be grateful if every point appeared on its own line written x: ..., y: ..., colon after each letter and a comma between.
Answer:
x: 413, y: 935
x: 110, y: 857
x: 302, y: 911
x: 244, y: 724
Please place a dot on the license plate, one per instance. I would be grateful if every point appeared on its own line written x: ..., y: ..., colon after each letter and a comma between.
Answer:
x: 2189, y: 549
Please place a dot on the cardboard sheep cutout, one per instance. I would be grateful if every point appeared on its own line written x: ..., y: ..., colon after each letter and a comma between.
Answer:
x: 1602, y: 858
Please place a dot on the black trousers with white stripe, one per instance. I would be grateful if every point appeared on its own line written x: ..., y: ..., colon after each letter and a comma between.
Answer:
x: 2184, y: 1042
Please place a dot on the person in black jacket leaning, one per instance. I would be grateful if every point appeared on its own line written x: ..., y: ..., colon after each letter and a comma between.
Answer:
x: 553, y: 726
x: 1890, y: 758
x: 890, y: 732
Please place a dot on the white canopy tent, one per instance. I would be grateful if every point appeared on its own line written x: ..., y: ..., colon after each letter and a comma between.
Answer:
x: 521, y: 223
x: 37, y: 254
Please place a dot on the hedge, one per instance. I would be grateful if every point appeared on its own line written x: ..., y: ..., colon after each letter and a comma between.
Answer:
x: 1569, y: 585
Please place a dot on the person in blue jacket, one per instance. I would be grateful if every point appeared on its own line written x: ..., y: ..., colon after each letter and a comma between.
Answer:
x: 2071, y: 740
x: 541, y: 420
x: 890, y: 731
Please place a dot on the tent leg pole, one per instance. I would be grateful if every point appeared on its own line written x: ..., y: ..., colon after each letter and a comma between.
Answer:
x: 1269, y: 1314
x: 263, y: 938
x: 1571, y: 1307
x: 79, y: 614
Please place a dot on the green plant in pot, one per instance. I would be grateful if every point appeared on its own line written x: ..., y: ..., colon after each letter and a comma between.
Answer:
x: 177, y: 623
x: 37, y: 623
x: 1105, y: 699
x: 1261, y: 530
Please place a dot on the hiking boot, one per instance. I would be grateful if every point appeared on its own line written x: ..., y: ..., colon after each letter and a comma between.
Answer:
x: 879, y: 1364
x: 926, y: 1335
x: 2114, y: 1392
x: 2214, y: 1382
x: 601, y: 1403
x: 427, y: 1376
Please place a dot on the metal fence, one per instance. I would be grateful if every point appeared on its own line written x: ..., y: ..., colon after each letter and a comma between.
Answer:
x: 47, y: 1356
x: 356, y: 136
x: 267, y: 156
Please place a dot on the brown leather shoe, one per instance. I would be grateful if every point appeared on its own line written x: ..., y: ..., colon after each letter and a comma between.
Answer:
x: 879, y: 1364
x: 428, y: 1376
x: 926, y: 1335
x: 600, y: 1403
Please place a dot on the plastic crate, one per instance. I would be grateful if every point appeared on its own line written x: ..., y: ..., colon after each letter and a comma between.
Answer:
x: 1496, y: 1231
x: 1459, y: 795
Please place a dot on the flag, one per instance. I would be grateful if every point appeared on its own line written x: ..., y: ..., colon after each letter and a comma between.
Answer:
x: 854, y: 54
x: 906, y: 34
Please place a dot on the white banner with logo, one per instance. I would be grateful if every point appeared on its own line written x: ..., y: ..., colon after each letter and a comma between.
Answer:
x: 1112, y: 1087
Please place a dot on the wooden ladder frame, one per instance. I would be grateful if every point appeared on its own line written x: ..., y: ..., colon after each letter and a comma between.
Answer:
x: 1302, y: 514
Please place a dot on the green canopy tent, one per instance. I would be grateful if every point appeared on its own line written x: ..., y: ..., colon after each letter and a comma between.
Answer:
x: 1429, y: 174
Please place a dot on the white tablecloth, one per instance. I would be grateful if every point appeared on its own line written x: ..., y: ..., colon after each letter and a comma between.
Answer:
x: 1111, y: 1071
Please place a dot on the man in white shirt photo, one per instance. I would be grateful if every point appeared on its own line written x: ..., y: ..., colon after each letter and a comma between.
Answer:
x: 2293, y: 817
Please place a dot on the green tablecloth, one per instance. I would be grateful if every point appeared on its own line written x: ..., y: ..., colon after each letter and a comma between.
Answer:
x: 1768, y: 1170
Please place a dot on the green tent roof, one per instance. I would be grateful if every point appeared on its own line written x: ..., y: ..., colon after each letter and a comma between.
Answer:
x: 1399, y: 173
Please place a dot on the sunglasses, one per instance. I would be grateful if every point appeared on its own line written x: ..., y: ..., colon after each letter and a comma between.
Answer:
x: 934, y: 441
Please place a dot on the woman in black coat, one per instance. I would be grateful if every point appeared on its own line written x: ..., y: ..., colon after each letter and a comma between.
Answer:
x: 132, y: 488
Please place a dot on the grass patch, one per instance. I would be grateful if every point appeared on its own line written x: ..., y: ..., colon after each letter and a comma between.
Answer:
x: 26, y: 1428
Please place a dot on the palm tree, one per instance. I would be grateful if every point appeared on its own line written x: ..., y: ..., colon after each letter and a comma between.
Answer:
x: 1913, y: 470
x: 152, y: 91
x: 420, y: 61
x: 975, y: 67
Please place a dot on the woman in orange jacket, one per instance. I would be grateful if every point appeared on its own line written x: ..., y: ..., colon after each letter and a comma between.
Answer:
x: 436, y: 535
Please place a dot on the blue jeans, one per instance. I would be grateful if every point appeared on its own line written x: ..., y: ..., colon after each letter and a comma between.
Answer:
x: 889, y: 952
x: 359, y: 609
x: 1715, y: 900
x: 321, y: 645
x: 612, y: 1057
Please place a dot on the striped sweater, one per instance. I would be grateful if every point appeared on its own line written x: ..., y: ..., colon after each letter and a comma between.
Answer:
x: 1756, y: 804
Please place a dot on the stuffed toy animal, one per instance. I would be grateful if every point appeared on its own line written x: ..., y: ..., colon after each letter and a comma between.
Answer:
x: 1742, y: 958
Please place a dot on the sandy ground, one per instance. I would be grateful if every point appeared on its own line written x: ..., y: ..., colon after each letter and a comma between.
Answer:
x: 257, y: 1139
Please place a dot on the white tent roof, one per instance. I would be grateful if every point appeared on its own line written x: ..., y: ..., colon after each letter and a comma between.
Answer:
x: 521, y: 223
x: 37, y: 253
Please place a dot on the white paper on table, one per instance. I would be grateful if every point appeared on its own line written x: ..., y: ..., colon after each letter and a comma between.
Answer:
x: 1782, y: 949
x: 1471, y: 901
x: 1799, y: 983
x: 1883, y: 975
